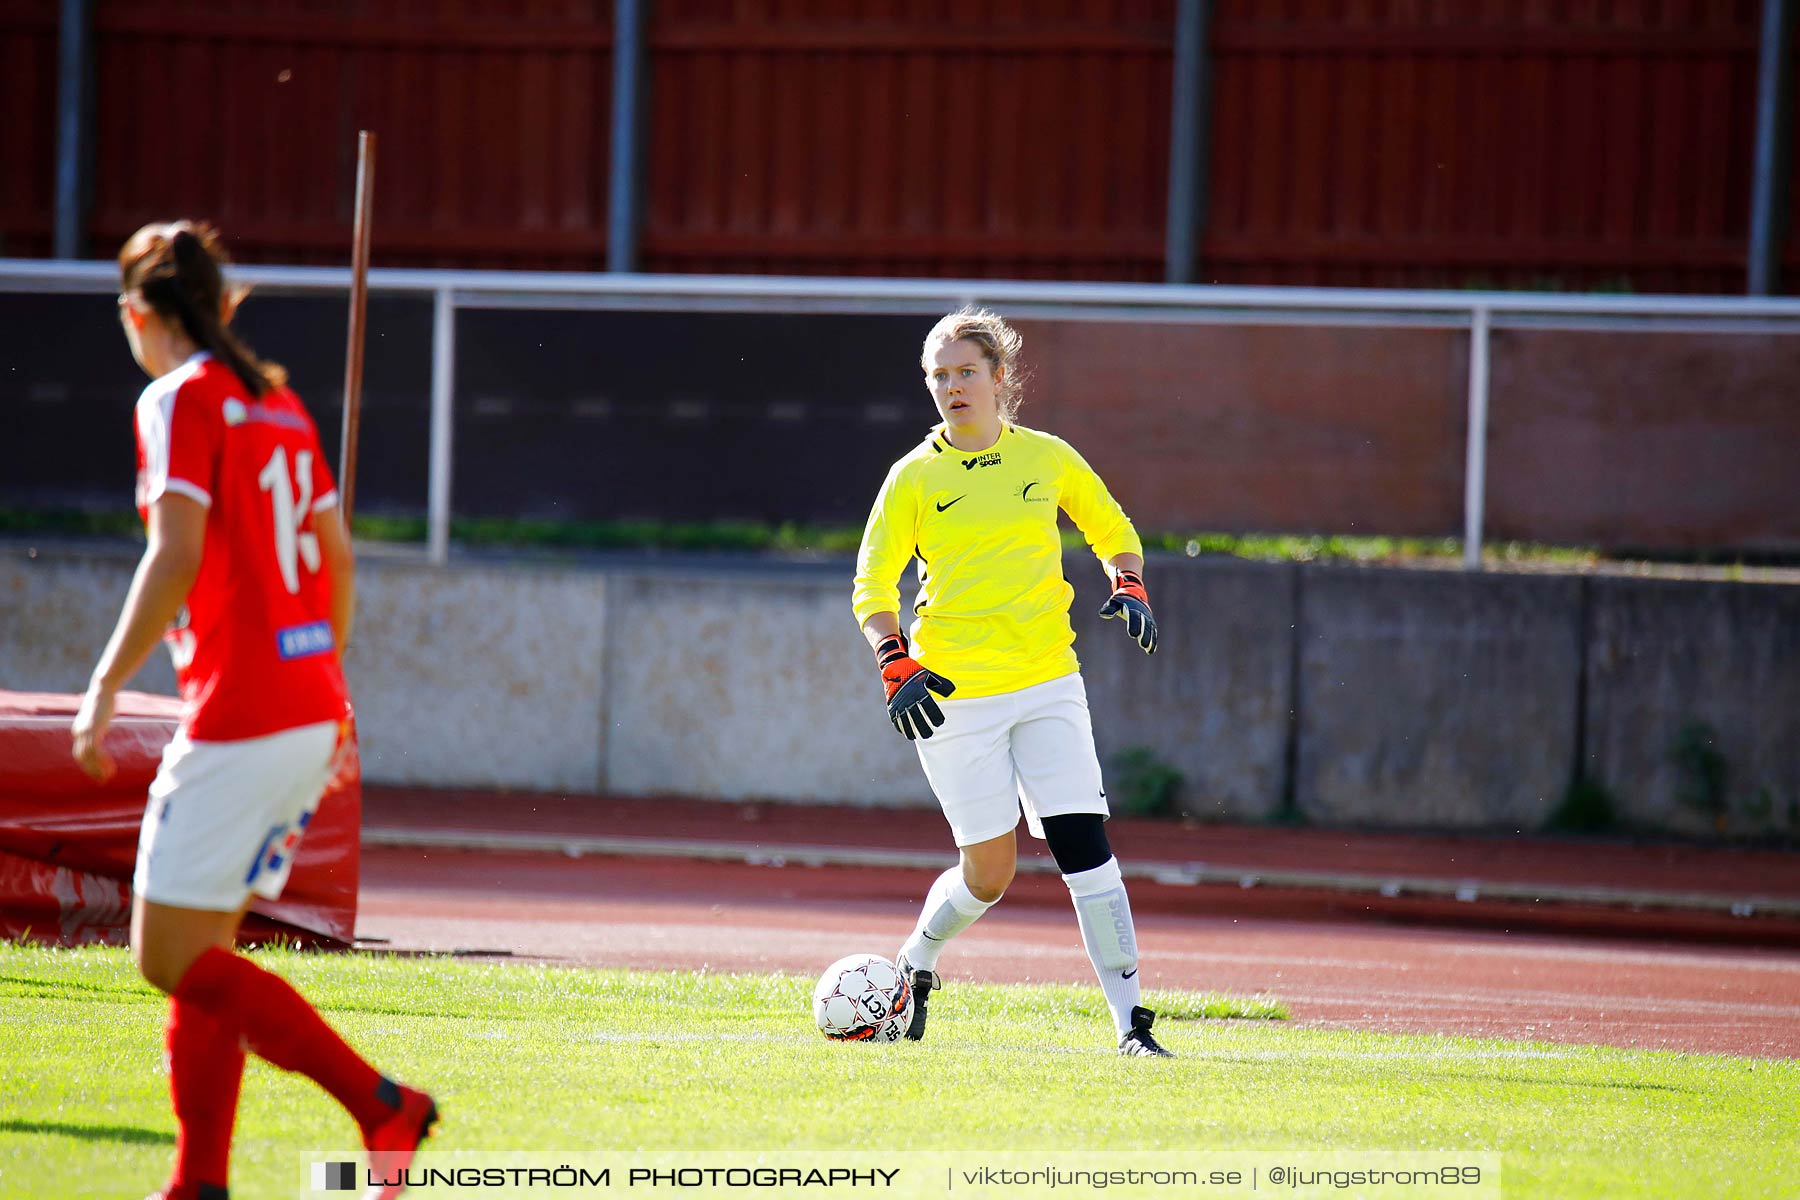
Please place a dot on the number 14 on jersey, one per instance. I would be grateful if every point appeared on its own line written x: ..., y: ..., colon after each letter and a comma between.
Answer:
x: 292, y: 548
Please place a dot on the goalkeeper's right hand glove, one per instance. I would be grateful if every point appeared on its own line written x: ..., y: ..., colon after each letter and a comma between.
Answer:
x: 909, y: 687
x: 1131, y: 604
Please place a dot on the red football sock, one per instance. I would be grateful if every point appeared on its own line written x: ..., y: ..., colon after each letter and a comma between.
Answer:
x: 206, y: 1065
x: 278, y: 1024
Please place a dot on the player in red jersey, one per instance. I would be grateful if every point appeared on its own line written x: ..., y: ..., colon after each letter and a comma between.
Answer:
x: 249, y: 570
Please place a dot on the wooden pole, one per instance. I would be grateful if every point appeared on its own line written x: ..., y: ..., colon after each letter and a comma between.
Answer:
x: 359, y: 296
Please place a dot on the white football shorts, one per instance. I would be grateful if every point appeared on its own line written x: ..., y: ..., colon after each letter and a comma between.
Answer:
x: 226, y: 818
x: 1033, y: 748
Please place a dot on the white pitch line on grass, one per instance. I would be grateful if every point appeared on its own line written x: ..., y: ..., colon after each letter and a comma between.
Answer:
x: 1280, y: 961
x: 1289, y: 1055
x: 1582, y: 1005
x: 782, y: 941
x: 1239, y: 1028
x: 688, y: 1036
x: 1296, y: 990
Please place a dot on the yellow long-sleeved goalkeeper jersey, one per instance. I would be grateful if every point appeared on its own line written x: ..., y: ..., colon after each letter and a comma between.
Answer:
x: 992, y: 613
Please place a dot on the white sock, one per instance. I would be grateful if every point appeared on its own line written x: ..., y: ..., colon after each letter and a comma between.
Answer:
x: 1111, y: 939
x: 950, y: 908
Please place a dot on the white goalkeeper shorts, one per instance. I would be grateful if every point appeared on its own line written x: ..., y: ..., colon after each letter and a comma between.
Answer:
x: 1031, y: 749
x: 225, y: 819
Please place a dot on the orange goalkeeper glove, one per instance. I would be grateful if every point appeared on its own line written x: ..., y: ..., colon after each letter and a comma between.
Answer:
x: 909, y: 687
x: 1130, y: 602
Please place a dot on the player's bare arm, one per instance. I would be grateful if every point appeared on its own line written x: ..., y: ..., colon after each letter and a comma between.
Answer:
x: 340, y: 563
x: 880, y: 626
x: 1125, y: 562
x: 165, y: 575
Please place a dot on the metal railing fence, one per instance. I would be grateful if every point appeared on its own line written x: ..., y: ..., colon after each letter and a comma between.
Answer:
x: 1478, y: 312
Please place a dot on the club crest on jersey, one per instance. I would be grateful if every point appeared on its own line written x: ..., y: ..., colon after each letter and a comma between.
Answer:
x: 990, y: 459
x: 235, y: 412
x: 304, y: 641
x: 1034, y: 492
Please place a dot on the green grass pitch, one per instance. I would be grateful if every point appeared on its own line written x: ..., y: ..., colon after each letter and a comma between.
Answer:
x: 538, y: 1058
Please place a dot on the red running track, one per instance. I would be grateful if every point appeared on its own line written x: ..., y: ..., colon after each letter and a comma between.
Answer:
x: 1341, y: 975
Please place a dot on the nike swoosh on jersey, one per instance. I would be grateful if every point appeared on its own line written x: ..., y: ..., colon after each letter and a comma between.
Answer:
x: 942, y: 507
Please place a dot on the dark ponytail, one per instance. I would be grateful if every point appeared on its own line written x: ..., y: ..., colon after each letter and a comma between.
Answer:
x: 175, y: 268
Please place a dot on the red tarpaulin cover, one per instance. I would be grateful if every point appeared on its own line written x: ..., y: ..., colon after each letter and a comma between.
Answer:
x: 68, y: 844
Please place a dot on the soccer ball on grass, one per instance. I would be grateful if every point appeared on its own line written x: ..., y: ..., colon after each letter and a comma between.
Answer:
x: 862, y: 999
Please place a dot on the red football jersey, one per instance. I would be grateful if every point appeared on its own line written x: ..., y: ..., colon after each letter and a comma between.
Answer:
x: 253, y: 646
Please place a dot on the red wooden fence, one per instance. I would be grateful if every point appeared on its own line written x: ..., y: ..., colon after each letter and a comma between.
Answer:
x: 1579, y: 144
x: 878, y: 138
x: 1459, y: 143
x: 28, y: 36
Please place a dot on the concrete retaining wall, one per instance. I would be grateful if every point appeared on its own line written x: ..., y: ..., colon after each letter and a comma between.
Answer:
x: 1213, y: 702
x: 1436, y: 699
x: 57, y: 609
x: 1680, y: 672
x: 478, y: 677
x: 748, y: 685
x: 1359, y: 696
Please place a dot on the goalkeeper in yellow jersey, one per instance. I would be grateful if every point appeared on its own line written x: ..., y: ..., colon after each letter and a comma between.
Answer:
x: 976, y: 504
